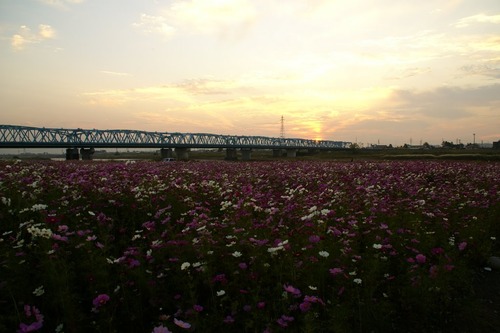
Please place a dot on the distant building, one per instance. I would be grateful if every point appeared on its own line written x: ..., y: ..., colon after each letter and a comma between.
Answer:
x: 496, y: 145
x: 381, y: 146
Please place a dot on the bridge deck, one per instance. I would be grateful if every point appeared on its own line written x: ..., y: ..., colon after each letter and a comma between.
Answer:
x: 41, y: 137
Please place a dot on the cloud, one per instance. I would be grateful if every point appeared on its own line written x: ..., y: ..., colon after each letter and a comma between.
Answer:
x: 479, y: 18
x: 61, y: 4
x: 155, y: 25
x: 409, y: 72
x: 226, y: 18
x: 115, y: 73
x: 447, y: 102
x: 26, y: 36
x: 489, y: 68
x: 212, y: 16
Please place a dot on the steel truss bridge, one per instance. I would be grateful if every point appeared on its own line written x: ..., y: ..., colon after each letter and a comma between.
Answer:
x: 41, y: 137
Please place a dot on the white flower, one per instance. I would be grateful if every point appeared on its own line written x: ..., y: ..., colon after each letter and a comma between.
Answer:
x: 59, y: 328
x: 325, y: 211
x: 38, y: 207
x: 39, y: 291
x: 236, y: 254
x: 358, y: 281
x: 221, y: 293
x: 377, y: 246
x: 6, y: 201
x: 313, y: 288
x: 185, y: 265
x: 324, y: 254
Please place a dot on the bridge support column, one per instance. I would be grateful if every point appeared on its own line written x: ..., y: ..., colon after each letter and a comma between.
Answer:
x: 231, y: 154
x: 166, y: 153
x: 87, y: 153
x: 276, y: 152
x: 246, y: 154
x: 291, y: 153
x: 72, y: 154
x: 182, y: 153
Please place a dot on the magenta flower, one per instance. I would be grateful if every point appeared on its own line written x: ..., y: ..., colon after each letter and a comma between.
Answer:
x: 161, y: 329
x: 305, y: 306
x: 314, y: 239
x: 462, y: 246
x: 336, y: 271
x: 292, y: 290
x: 100, y: 300
x: 31, y: 311
x: 23, y: 328
x: 421, y: 259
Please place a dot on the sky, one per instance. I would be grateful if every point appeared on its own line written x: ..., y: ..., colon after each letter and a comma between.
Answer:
x: 364, y: 71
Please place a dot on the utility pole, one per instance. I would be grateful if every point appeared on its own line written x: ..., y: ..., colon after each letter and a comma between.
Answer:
x: 282, y: 132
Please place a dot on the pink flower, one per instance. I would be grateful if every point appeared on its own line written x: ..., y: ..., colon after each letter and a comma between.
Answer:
x: 462, y: 246
x: 100, y: 300
x: 182, y: 324
x: 421, y: 259
x: 292, y: 290
x: 336, y: 271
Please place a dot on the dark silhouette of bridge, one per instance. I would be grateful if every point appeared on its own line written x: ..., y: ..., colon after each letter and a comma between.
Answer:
x: 89, y: 139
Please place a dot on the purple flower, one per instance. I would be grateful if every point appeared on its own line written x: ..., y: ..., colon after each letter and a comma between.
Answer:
x: 23, y: 328
x: 462, y: 246
x: 305, y: 306
x: 314, y: 239
x: 421, y: 259
x: 182, y: 324
x: 100, y: 300
x: 161, y: 329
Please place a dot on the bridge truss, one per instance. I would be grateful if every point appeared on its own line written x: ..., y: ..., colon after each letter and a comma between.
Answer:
x: 41, y: 137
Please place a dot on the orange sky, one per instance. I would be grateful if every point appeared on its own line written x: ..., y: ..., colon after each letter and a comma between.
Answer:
x: 388, y: 72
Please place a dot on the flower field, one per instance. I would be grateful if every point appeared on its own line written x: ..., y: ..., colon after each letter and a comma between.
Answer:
x: 252, y: 247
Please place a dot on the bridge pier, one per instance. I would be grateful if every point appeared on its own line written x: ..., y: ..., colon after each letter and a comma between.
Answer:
x: 231, y: 154
x: 291, y: 153
x: 182, y: 153
x: 277, y: 152
x: 166, y: 153
x: 246, y: 154
x: 72, y: 154
x: 87, y: 153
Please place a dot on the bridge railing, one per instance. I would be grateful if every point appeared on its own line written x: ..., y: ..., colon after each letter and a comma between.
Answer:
x: 38, y: 137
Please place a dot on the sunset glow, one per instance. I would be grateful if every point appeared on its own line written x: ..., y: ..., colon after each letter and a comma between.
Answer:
x: 360, y: 71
